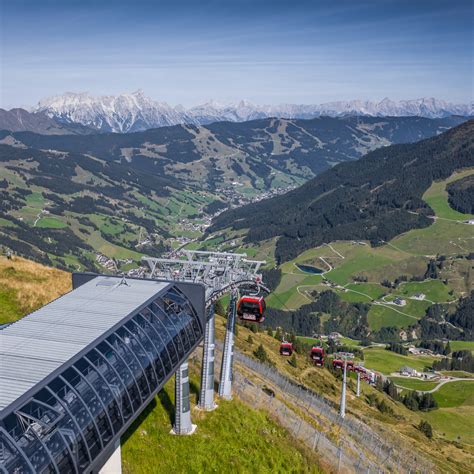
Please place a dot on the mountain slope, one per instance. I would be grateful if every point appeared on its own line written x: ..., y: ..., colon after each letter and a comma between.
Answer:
x: 260, y: 154
x: 77, y: 201
x: 20, y: 120
x: 135, y: 111
x: 374, y: 199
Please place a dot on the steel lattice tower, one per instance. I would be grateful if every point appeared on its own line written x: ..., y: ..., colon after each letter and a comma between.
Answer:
x: 221, y: 273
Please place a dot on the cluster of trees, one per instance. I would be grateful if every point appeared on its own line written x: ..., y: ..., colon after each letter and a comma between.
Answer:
x: 397, y: 348
x: 463, y: 316
x: 370, y: 199
x: 347, y: 318
x: 439, y: 323
x: 438, y: 347
x: 461, y: 195
x: 214, y: 206
x: 271, y: 278
x: 412, y: 400
x: 415, y: 401
x: 460, y: 360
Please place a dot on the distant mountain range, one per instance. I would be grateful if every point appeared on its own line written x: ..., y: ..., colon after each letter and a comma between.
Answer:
x: 137, y: 112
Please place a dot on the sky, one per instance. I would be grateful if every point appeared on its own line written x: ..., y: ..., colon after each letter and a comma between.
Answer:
x: 268, y: 52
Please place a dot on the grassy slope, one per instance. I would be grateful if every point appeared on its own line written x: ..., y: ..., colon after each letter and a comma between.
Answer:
x: 25, y: 286
x: 403, y: 422
x: 233, y: 438
x: 455, y: 418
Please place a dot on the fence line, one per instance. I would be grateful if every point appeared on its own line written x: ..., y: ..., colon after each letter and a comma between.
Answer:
x: 357, y: 448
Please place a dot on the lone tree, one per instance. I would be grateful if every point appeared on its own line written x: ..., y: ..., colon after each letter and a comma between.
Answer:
x: 261, y: 354
x: 250, y: 339
x: 426, y: 429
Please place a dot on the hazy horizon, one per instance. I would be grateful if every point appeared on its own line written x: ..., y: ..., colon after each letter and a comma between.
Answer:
x: 182, y: 52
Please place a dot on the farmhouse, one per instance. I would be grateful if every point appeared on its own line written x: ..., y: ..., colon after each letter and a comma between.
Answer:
x: 419, y: 296
x: 409, y: 372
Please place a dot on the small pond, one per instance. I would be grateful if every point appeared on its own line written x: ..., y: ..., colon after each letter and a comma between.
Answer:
x: 309, y: 269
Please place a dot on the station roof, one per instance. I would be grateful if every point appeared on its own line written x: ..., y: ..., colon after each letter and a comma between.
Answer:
x: 35, y: 346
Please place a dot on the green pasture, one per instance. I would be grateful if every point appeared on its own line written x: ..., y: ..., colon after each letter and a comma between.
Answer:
x: 51, y: 223
x: 413, y: 384
x: 388, y: 362
x: 386, y: 316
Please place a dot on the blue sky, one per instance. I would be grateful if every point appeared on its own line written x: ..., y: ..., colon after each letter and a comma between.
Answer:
x: 268, y: 52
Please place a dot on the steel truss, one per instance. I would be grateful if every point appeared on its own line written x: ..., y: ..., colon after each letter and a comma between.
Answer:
x: 220, y: 273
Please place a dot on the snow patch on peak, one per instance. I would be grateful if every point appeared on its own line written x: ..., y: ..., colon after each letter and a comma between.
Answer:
x: 130, y: 112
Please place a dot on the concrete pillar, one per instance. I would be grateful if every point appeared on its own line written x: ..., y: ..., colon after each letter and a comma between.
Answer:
x: 342, y: 407
x: 225, y: 384
x: 182, y: 420
x: 114, y: 463
x: 358, y: 385
x: 206, y: 396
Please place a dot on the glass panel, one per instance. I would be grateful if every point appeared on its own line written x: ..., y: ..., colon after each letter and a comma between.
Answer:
x: 25, y: 431
x: 154, y: 345
x: 114, y: 358
x: 68, y: 428
x: 169, y: 331
x: 181, y: 313
x: 144, y: 357
x: 114, y: 381
x: 78, y: 410
x: 57, y: 447
x: 161, y: 335
x: 91, y: 400
x: 103, y: 391
x: 12, y: 459
x: 122, y: 342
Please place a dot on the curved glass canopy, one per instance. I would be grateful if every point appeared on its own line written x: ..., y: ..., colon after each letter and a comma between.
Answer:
x: 69, y: 422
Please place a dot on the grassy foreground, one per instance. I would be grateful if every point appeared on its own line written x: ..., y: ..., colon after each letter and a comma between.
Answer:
x: 233, y: 438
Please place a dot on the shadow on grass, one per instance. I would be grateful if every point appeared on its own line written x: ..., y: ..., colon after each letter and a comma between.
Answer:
x: 168, y: 405
x: 194, y: 389
x: 143, y: 415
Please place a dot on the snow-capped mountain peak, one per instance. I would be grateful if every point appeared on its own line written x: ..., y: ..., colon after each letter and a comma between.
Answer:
x: 135, y: 111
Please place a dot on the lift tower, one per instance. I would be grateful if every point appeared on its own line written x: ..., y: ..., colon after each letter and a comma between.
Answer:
x: 220, y: 273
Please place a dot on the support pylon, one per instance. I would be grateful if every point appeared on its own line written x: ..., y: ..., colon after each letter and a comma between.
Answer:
x: 225, y: 384
x: 358, y: 385
x: 342, y: 407
x: 206, y: 397
x: 182, y: 420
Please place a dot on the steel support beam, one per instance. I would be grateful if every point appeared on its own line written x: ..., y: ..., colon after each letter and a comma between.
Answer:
x: 358, y: 385
x: 342, y: 407
x: 182, y: 420
x: 225, y: 384
x: 206, y: 397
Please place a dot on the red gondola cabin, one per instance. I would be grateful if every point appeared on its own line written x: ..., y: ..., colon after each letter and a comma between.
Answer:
x: 338, y: 364
x: 317, y: 355
x: 252, y: 308
x: 286, y: 348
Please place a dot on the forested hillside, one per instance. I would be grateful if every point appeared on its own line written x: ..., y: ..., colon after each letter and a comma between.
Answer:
x: 461, y: 195
x: 375, y: 198
x: 77, y: 201
x: 259, y: 153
